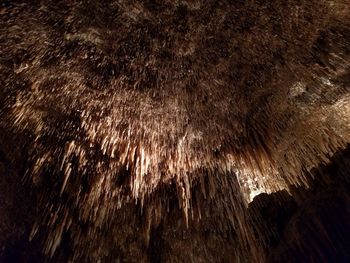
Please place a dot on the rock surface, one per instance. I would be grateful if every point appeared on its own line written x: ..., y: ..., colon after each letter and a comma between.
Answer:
x: 174, y: 131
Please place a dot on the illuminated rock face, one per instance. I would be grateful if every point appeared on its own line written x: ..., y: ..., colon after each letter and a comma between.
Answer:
x: 135, y: 115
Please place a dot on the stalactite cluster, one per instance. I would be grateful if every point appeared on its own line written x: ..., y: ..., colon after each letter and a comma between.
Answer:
x: 130, y: 112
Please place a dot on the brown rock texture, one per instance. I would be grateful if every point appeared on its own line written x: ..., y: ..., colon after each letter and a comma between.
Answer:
x: 174, y: 131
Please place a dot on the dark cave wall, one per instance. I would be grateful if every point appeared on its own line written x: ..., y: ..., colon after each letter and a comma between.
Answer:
x: 312, y: 224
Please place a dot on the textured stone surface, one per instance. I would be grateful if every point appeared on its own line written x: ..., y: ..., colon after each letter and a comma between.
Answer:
x: 139, y: 131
